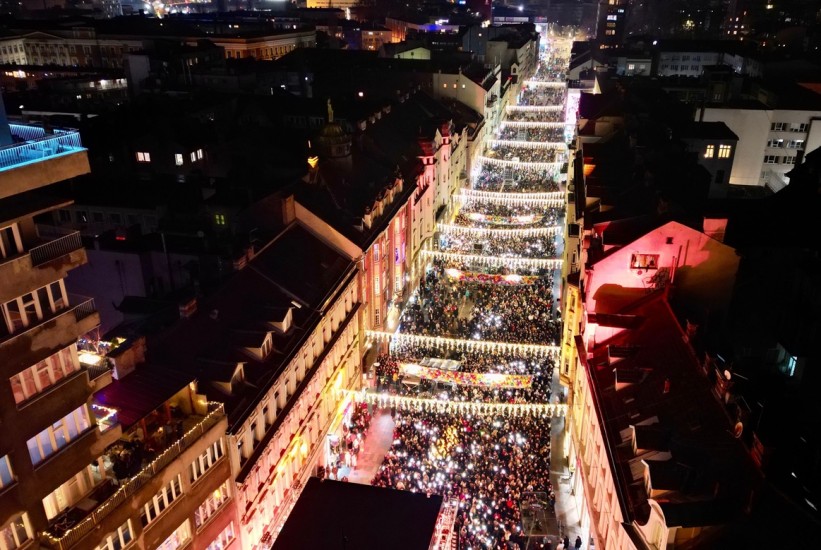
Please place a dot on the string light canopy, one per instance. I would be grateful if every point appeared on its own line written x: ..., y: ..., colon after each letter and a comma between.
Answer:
x: 496, y: 261
x: 540, y: 165
x: 497, y: 232
x: 528, y: 144
x: 549, y: 410
x: 524, y: 350
x: 533, y: 108
x: 545, y: 83
x: 531, y: 124
x: 511, y: 201
x: 492, y: 195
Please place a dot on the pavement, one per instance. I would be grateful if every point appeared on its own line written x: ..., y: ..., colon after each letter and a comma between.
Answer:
x: 375, y: 445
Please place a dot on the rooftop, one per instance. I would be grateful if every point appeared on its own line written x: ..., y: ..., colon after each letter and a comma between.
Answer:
x: 296, y: 275
x: 334, y: 514
x: 699, y: 473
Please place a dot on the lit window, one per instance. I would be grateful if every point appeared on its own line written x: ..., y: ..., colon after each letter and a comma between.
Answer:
x: 223, y: 539
x: 644, y: 261
x: 791, y: 365
x: 213, y: 502
x: 219, y: 219
x: 724, y: 151
x: 710, y: 151
x: 179, y: 538
x: 199, y: 153
x: 444, y: 85
x: 15, y: 533
x: 795, y: 144
x: 193, y: 156
x: 162, y: 500
x: 206, y: 460
x: 58, y: 435
x: 178, y: 159
x: 6, y: 475
x: 631, y: 66
x: 778, y: 143
x: 143, y: 157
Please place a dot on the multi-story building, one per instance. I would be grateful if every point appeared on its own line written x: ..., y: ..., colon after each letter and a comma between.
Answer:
x: 773, y: 134
x: 280, y: 344
x: 89, y: 460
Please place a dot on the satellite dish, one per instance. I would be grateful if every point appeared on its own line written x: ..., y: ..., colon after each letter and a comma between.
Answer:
x: 738, y: 430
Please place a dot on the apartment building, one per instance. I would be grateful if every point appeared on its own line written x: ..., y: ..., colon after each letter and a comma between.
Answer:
x: 92, y: 456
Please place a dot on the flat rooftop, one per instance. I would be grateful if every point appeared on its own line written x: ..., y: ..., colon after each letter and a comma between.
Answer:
x: 334, y: 514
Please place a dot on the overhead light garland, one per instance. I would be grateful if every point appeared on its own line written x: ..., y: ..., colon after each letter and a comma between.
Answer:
x: 534, y: 108
x: 528, y: 144
x: 531, y: 124
x: 492, y: 195
x: 545, y: 83
x: 496, y: 261
x: 542, y: 165
x: 384, y: 400
x: 496, y: 232
x: 510, y: 201
x: 525, y: 350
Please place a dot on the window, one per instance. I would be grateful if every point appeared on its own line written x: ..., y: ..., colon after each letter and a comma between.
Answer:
x: 15, y: 533
x: 778, y: 126
x: 612, y: 17
x: 219, y: 219
x: 143, y: 157
x: 178, y: 159
x: 162, y: 500
x: 193, y: 156
x: 724, y: 151
x: 376, y: 287
x: 644, y: 261
x: 223, y: 539
x: 375, y: 253
x: 212, y: 504
x: 776, y: 143
x: 631, y: 66
x: 685, y: 58
x: 791, y: 365
x: 43, y: 375
x: 799, y: 127
x: 789, y: 160
x: 178, y: 538
x: 207, y: 459
x: 58, y: 435
x: 199, y: 154
x: 694, y: 67
x: 6, y: 475
x: 376, y: 318
x: 610, y: 32
x: 795, y: 144
x: 118, y: 539
x: 770, y: 159
x: 710, y: 151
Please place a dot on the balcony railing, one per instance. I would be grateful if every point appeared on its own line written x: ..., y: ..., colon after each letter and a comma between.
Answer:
x: 127, y: 489
x: 37, y: 147
x: 64, y: 242
x: 80, y: 310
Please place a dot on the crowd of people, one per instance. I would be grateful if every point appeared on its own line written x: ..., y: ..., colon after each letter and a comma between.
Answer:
x: 542, y: 95
x: 517, y: 179
x: 531, y: 133
x: 525, y: 154
x: 535, y: 116
x: 520, y: 314
x: 486, y: 214
x: 489, y: 464
x: 538, y: 246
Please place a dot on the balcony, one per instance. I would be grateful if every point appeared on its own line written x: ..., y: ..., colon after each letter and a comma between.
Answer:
x: 38, y: 158
x: 128, y: 465
x: 50, y: 256
x: 47, y: 335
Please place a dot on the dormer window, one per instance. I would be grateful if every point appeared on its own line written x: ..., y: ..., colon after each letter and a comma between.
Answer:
x: 644, y: 261
x: 267, y: 346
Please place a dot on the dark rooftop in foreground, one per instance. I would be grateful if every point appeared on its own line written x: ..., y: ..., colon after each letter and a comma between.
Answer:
x: 334, y: 514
